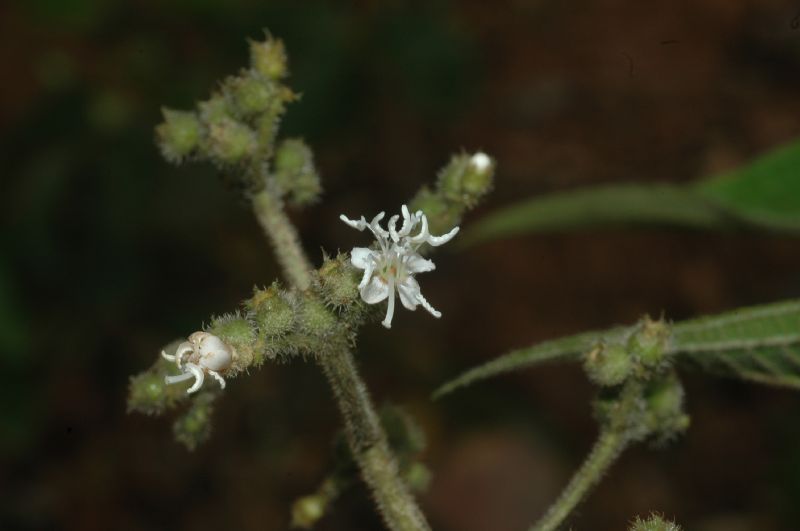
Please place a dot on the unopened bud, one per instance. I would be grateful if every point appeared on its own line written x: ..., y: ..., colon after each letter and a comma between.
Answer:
x: 194, y: 427
x: 272, y: 312
x: 295, y: 171
x: 666, y: 414
x: 316, y: 319
x: 252, y: 94
x: 230, y: 141
x: 649, y: 343
x: 307, y: 510
x: 608, y: 365
x: 178, y: 135
x: 467, y: 178
x: 339, y: 282
x: 269, y: 58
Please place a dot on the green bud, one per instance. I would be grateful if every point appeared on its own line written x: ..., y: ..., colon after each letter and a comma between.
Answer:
x: 269, y: 58
x: 654, y: 522
x: 147, y: 391
x: 665, y: 412
x: 316, y: 319
x: 608, y: 365
x: 306, y: 511
x: 478, y: 177
x: 272, y: 312
x: 252, y: 94
x: 178, y: 135
x: 214, y: 110
x: 466, y: 178
x: 194, y: 427
x: 295, y: 172
x: 240, y: 334
x: 339, y: 282
x: 649, y: 343
x: 230, y: 141
x: 418, y: 477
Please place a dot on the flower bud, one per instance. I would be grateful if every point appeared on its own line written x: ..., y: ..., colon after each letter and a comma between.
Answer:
x: 649, y: 343
x: 306, y: 511
x: 178, y: 135
x: 466, y: 178
x: 478, y: 176
x: 147, y: 392
x: 608, y: 365
x: 230, y: 141
x: 252, y: 94
x: 418, y: 477
x: 295, y: 171
x: 339, y: 282
x: 215, y: 109
x: 665, y: 413
x: 315, y: 319
x: 273, y: 314
x: 240, y: 334
x: 194, y: 427
x: 269, y: 58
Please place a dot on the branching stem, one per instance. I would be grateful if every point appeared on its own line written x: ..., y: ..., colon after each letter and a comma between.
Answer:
x: 365, y: 434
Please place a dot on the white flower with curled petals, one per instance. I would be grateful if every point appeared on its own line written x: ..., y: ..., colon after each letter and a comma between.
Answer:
x: 393, y: 265
x: 202, y: 354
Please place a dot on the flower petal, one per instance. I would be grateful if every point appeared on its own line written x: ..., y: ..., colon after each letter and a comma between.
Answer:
x: 359, y: 257
x: 425, y: 304
x: 436, y: 241
x: 358, y: 224
x: 409, y: 293
x: 375, y: 291
x: 416, y: 264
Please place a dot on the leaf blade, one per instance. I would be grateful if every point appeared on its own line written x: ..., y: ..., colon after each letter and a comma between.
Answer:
x: 557, y: 349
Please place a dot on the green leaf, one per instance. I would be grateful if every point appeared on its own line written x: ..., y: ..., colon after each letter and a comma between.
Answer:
x: 600, y: 206
x: 567, y: 348
x: 764, y: 194
x: 758, y: 343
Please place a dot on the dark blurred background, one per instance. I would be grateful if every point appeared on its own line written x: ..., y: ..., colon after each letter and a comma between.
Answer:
x: 108, y: 252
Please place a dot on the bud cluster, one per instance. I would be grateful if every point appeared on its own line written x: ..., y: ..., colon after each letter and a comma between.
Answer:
x: 642, y: 352
x: 236, y: 128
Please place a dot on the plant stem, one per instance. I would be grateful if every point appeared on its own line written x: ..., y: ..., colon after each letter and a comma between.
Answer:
x: 622, y: 427
x: 365, y: 435
x: 607, y: 448
x: 283, y: 236
x: 369, y: 445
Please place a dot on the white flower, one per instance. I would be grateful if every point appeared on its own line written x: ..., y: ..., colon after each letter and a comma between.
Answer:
x: 207, y: 354
x: 395, y: 263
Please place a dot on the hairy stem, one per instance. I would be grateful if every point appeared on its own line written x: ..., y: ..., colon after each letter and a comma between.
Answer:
x: 283, y: 236
x: 365, y: 435
x: 369, y: 445
x: 615, y: 436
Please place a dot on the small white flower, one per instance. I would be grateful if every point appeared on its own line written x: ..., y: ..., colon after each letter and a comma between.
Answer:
x: 207, y: 354
x: 395, y: 263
